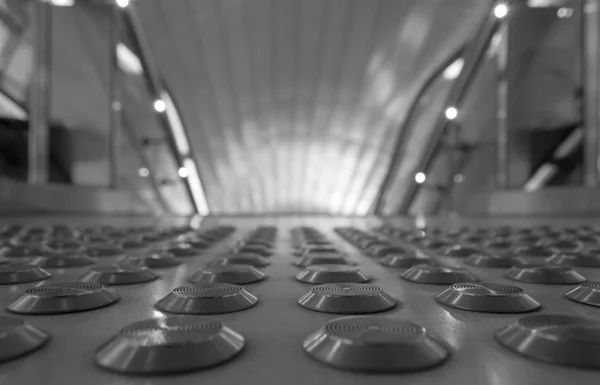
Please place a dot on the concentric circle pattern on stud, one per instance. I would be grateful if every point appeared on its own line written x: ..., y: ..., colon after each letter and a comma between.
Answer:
x: 487, y: 298
x: 555, y: 339
x: 375, y: 344
x: 347, y: 298
x: 207, y: 299
x: 58, y: 298
x: 170, y: 345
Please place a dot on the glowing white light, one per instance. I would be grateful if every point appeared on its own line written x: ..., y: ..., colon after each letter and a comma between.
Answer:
x: 501, y: 10
x: 128, y: 61
x: 564, y: 13
x: 451, y: 113
x: 63, y: 3
x: 459, y: 178
x: 420, y: 178
x: 183, y: 172
x: 453, y: 70
x: 143, y: 172
x: 159, y: 105
x: 122, y: 3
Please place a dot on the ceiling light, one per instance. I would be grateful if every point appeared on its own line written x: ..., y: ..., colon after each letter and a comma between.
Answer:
x: 122, y: 3
x: 451, y: 113
x: 143, y: 172
x: 501, y: 10
x: 183, y: 172
x: 128, y: 61
x: 453, y: 70
x: 62, y: 3
x: 159, y: 105
x: 420, y: 178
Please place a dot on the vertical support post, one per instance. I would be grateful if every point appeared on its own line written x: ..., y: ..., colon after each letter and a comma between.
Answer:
x: 590, y: 23
x: 115, y: 94
x: 502, y: 106
x: 39, y: 100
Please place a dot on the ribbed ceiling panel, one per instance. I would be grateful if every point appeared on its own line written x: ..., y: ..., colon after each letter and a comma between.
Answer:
x: 294, y: 105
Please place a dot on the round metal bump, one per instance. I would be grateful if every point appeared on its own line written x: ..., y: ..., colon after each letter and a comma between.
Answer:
x: 438, y: 275
x: 183, y: 252
x: 565, y: 245
x: 58, y: 298
x: 572, y: 259
x: 18, y: 339
x: 587, y: 293
x: 63, y: 245
x: 325, y: 259
x: 199, y: 245
x: 24, y: 252
x: 375, y: 344
x: 403, y: 261
x: 550, y: 275
x: 347, y: 298
x: 62, y: 261
x: 555, y: 339
x: 235, y: 274
x: 483, y: 260
x: 487, y: 298
x: 320, y: 274
x: 500, y: 247
x: 161, y: 260
x: 461, y: 251
x: 15, y: 273
x: 102, y: 252
x: 534, y: 251
x: 207, y: 299
x: 170, y: 345
x: 133, y: 245
x: 255, y: 249
x: 118, y: 275
x: 241, y: 259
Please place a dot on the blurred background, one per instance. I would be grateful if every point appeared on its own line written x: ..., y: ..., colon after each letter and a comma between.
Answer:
x: 342, y: 107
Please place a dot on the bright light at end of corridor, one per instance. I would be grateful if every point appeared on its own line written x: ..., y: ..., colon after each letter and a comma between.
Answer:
x: 420, y: 178
x: 159, y: 105
x: 63, y: 3
x: 451, y: 113
x: 501, y: 10
x: 122, y: 3
x: 183, y: 172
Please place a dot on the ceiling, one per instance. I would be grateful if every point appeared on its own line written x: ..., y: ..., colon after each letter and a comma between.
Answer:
x: 294, y: 106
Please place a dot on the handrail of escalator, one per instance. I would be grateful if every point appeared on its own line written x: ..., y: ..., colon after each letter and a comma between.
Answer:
x: 407, y: 126
x: 474, y: 57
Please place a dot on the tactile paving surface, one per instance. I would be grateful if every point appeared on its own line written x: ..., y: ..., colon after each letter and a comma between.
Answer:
x: 444, y: 333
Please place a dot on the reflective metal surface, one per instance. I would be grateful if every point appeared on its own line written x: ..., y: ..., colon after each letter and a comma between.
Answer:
x: 294, y: 105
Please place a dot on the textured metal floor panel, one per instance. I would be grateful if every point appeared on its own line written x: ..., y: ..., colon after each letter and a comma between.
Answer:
x: 276, y: 327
